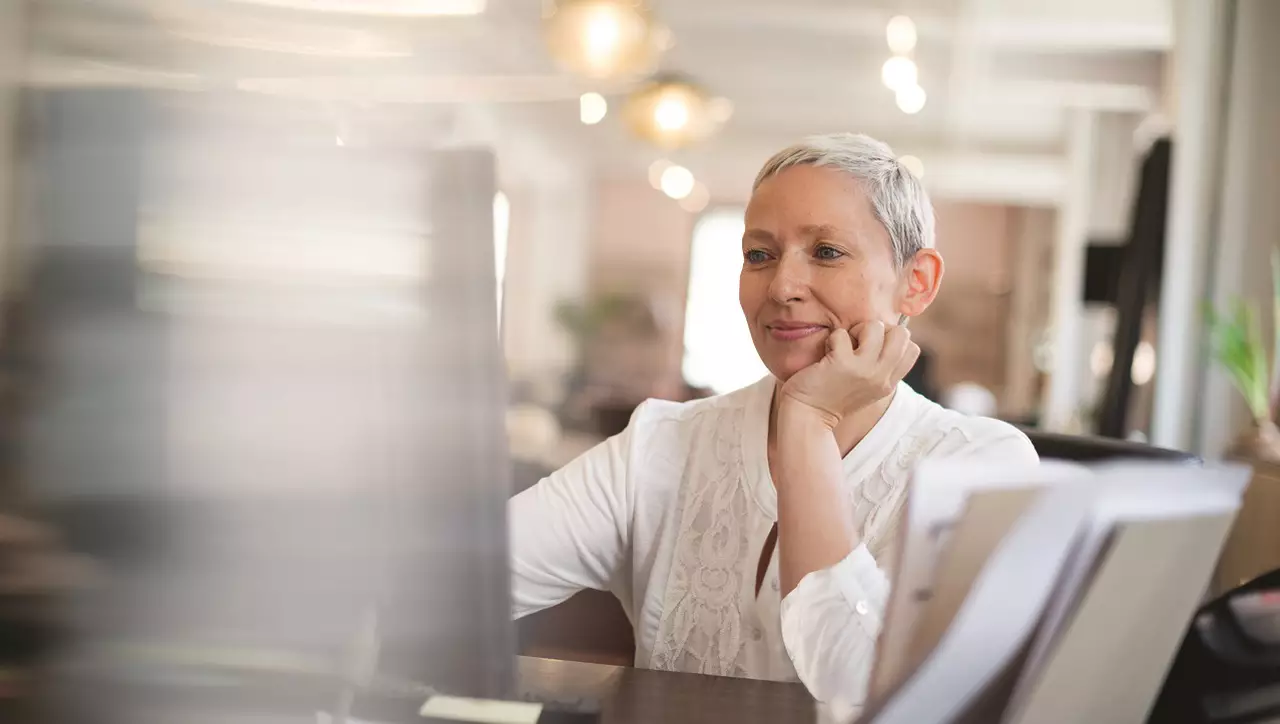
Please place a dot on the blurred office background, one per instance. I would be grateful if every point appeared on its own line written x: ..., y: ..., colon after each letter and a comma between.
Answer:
x: 1100, y: 170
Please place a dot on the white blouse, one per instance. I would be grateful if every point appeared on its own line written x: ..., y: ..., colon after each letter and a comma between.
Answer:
x: 671, y: 516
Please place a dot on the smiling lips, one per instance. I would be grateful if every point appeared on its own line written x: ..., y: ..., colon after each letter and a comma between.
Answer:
x: 791, y: 331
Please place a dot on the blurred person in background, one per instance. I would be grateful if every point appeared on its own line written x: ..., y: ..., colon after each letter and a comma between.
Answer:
x: 36, y: 572
x: 752, y: 534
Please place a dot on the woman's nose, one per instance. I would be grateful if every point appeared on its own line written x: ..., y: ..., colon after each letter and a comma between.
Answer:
x: 790, y: 280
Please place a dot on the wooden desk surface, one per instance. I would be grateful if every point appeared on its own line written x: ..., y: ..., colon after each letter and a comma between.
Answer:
x: 624, y: 696
x: 640, y: 696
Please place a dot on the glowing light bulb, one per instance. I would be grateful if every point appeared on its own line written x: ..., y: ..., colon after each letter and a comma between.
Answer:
x: 592, y: 108
x: 901, y: 34
x: 677, y: 182
x: 898, y: 72
x: 603, y: 32
x: 911, y: 99
x: 1144, y: 364
x: 671, y: 114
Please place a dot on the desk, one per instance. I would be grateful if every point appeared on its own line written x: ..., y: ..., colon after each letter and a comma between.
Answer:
x: 626, y: 696
x: 640, y: 696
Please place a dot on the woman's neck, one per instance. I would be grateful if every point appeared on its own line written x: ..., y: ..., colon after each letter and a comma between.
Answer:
x: 851, y: 429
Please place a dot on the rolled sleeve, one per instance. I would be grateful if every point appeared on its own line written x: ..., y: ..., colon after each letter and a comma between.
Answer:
x: 830, y: 623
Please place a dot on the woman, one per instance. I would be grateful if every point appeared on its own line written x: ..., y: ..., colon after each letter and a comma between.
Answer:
x: 752, y: 534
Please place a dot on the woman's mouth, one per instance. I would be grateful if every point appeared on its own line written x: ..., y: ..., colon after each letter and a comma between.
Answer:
x: 791, y: 331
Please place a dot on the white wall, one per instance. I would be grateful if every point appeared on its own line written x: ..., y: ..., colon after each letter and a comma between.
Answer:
x: 547, y: 252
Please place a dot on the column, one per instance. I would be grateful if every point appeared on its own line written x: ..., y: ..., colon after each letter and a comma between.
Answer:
x: 1248, y: 204
x: 1070, y: 359
x: 1199, y: 67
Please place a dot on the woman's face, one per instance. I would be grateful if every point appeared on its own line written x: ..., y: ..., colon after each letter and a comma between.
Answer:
x: 815, y: 258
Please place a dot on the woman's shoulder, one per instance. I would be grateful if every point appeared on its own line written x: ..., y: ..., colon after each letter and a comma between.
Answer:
x: 715, y: 409
x: 947, y: 432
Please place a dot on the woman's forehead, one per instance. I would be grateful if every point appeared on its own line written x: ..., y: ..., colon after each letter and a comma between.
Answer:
x: 823, y: 195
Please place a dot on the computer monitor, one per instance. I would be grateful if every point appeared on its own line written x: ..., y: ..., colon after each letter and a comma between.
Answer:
x: 267, y: 402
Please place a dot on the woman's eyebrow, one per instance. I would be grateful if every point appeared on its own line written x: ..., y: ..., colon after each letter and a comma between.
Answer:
x: 759, y: 235
x: 820, y: 231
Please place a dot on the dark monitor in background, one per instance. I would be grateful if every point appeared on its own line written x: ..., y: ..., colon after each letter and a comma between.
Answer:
x: 267, y: 402
x: 1102, y: 262
x: 1137, y: 283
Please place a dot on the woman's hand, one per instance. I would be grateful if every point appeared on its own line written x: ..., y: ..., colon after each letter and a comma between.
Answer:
x: 849, y: 378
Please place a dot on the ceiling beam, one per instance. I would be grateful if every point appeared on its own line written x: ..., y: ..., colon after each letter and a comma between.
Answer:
x: 728, y: 166
x: 1042, y: 34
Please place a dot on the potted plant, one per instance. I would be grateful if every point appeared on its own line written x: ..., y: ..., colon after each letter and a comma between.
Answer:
x: 1239, y: 346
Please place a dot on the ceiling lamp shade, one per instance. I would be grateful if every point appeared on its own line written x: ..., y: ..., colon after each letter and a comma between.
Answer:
x: 671, y: 112
x: 605, y: 39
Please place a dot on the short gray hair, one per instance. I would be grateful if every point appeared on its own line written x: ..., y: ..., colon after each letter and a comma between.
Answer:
x: 898, y: 198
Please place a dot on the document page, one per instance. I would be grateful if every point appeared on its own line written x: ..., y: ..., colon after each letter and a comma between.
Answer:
x: 940, y: 491
x: 998, y: 618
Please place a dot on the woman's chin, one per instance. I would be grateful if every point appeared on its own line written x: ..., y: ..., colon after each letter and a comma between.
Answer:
x: 784, y: 368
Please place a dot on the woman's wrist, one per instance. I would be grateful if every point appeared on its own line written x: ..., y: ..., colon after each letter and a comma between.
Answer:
x: 794, y: 414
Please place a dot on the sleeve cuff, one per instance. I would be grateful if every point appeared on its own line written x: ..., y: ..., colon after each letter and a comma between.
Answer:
x: 856, y: 580
x: 861, y: 580
x: 830, y: 624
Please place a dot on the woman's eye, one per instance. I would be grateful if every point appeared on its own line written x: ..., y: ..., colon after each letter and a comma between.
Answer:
x: 828, y: 253
x: 755, y: 256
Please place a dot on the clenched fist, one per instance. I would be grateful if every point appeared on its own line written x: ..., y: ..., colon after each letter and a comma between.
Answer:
x: 856, y: 371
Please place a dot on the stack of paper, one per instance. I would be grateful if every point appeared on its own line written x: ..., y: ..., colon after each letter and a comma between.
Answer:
x: 1045, y: 594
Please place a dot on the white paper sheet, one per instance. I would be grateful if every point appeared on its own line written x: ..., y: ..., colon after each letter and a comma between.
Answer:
x: 1027, y: 592
x: 997, y: 618
x: 1124, y: 492
x: 939, y: 490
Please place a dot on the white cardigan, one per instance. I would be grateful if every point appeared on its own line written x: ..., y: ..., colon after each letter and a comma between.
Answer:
x: 671, y: 516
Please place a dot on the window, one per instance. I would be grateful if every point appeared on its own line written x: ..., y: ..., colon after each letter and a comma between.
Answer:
x: 718, y: 352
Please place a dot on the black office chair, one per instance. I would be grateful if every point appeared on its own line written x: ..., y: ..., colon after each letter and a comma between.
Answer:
x: 1222, y: 673
x: 1078, y: 448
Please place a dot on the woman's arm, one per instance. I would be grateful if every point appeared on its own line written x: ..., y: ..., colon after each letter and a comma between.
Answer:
x: 834, y: 592
x: 815, y: 529
x: 815, y: 525
x: 832, y: 619
x: 571, y: 530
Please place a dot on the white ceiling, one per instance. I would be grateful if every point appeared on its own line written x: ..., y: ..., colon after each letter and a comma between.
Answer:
x: 1001, y: 75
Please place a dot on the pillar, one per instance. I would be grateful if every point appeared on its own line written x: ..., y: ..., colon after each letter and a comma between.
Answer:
x: 1247, y: 226
x: 1198, y: 74
x: 1070, y: 359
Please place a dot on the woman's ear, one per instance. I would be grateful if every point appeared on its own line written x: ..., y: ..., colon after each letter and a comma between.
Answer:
x: 921, y: 279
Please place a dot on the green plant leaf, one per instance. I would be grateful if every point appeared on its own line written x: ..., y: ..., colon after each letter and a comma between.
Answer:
x: 1238, y: 346
x: 1274, y: 394
x: 1260, y: 397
